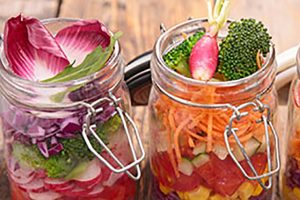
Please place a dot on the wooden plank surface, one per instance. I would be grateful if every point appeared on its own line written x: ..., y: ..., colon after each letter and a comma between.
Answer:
x: 37, y: 8
x: 140, y: 19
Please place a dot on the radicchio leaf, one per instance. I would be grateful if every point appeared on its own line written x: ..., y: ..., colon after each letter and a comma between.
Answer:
x: 31, y: 50
x: 81, y: 38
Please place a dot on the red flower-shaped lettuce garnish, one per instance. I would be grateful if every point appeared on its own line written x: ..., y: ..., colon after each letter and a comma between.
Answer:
x: 31, y: 50
x: 34, y: 54
x: 82, y: 38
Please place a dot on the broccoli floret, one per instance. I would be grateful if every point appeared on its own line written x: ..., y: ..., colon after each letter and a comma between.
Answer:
x: 238, y: 50
x: 177, y: 57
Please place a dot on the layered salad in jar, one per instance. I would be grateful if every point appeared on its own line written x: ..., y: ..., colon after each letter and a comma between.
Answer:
x: 189, y: 159
x: 46, y: 154
x: 290, y: 177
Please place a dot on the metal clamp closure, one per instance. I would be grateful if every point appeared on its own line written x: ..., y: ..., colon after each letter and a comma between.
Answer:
x: 258, y: 106
x: 89, y: 129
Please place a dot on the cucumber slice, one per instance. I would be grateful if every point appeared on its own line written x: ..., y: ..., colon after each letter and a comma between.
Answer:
x: 220, y: 151
x: 200, y: 160
x: 186, y: 167
x: 251, y: 147
x: 199, y: 148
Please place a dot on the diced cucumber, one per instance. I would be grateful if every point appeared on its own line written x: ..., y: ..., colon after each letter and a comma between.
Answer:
x: 220, y: 151
x: 262, y: 148
x: 199, y: 148
x: 186, y: 167
x: 251, y: 147
x: 200, y: 160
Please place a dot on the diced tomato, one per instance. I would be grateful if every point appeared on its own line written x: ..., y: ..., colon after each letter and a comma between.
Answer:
x: 165, y: 174
x: 222, y: 176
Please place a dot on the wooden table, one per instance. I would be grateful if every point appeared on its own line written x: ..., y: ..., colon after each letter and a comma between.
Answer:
x: 140, y: 20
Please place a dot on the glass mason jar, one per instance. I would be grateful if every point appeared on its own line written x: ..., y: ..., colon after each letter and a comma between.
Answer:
x: 77, y: 147
x: 211, y: 140
x: 291, y: 175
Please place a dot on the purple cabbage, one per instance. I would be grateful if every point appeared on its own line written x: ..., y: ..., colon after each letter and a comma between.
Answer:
x: 292, y: 173
x: 90, y: 91
x: 46, y: 133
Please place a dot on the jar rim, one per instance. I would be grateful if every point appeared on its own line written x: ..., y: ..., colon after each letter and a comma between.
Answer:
x: 4, y: 68
x: 159, y: 56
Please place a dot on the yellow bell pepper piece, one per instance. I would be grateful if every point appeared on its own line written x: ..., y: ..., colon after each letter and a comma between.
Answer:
x: 218, y: 197
x: 245, y: 191
x: 296, y: 191
x: 202, y: 193
x: 164, y: 189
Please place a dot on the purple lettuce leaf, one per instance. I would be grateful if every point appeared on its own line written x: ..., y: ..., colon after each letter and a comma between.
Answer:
x: 31, y: 50
x: 81, y: 38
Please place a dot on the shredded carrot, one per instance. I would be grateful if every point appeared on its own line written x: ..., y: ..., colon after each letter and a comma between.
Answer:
x: 194, y: 135
x: 171, y: 119
x: 209, y: 133
x: 191, y: 142
x: 176, y: 138
x: 184, y: 35
x: 196, y: 120
x: 258, y: 60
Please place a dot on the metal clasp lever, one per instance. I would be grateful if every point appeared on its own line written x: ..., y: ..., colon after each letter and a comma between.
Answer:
x: 88, y: 128
x: 230, y: 130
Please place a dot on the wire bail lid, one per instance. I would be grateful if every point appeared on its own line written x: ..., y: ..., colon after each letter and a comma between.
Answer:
x: 89, y: 129
x: 258, y: 106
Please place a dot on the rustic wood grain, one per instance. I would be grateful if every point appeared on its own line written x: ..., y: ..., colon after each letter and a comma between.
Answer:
x: 38, y: 8
x: 139, y: 20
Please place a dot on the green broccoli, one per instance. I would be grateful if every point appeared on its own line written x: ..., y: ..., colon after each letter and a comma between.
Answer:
x: 177, y: 58
x: 238, y: 50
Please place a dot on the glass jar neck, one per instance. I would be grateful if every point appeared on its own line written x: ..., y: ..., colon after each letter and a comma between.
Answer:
x: 298, y: 63
x: 53, y: 96
x: 233, y: 92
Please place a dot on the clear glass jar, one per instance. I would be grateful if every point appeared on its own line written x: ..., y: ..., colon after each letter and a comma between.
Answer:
x: 291, y: 173
x: 193, y: 150
x: 79, y: 147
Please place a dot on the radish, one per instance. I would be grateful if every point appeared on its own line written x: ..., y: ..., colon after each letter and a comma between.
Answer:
x: 112, y: 179
x: 56, y: 183
x: 65, y: 189
x: 96, y: 191
x: 90, y: 176
x: 44, y: 195
x: 34, y: 186
x: 23, y: 172
x: 203, y: 60
x: 78, y: 192
x: 20, y: 178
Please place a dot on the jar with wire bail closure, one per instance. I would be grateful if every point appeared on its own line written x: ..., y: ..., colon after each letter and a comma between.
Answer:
x: 211, y: 140
x: 83, y: 146
x: 290, y: 176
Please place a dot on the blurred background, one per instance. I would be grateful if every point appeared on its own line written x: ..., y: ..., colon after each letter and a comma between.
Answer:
x: 140, y: 19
